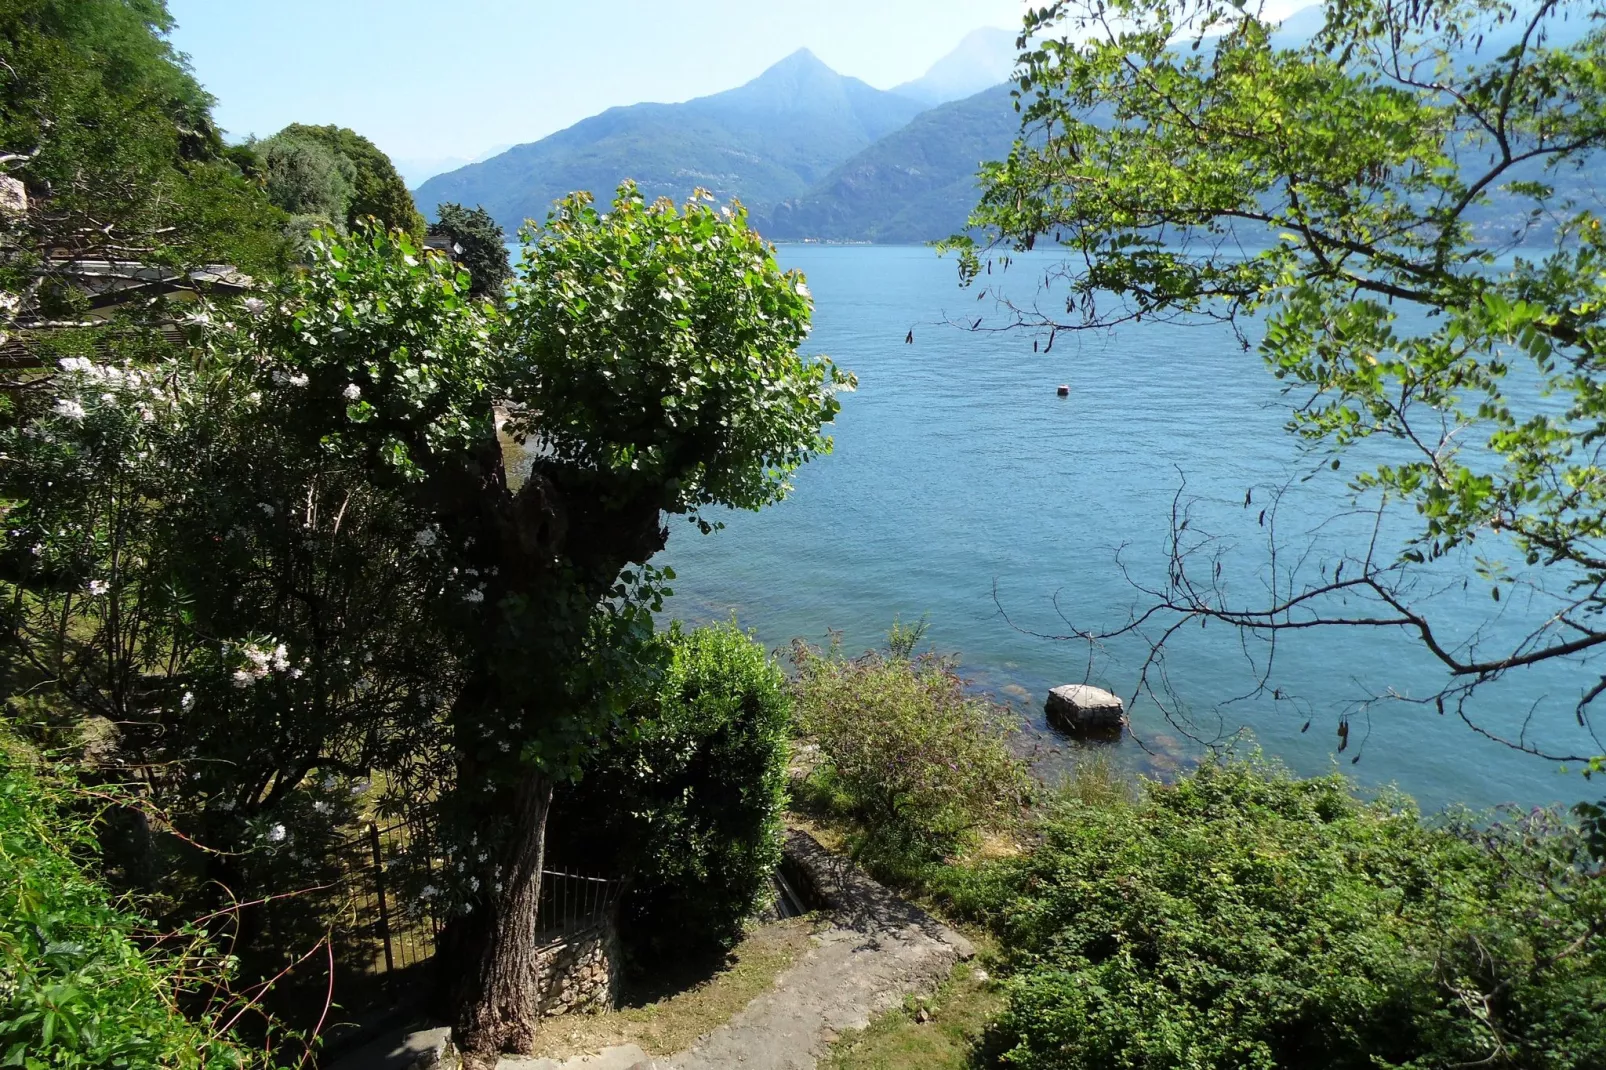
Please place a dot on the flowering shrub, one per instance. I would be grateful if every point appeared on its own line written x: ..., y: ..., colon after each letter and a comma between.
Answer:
x: 189, y: 567
x: 921, y: 763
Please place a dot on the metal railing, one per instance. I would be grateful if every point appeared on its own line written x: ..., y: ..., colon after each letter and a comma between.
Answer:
x: 385, y: 915
x: 571, y: 901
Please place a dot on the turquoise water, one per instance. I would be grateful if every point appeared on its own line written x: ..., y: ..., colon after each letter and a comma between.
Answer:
x: 963, y: 489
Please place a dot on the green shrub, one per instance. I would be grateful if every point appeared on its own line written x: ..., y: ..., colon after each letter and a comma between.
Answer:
x: 687, y: 798
x: 76, y: 988
x: 1243, y: 918
x: 907, y: 751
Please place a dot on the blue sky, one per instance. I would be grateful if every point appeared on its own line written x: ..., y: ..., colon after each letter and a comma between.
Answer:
x: 428, y: 80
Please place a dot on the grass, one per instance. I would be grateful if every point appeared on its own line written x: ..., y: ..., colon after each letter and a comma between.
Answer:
x: 673, y: 1022
x: 955, y: 1016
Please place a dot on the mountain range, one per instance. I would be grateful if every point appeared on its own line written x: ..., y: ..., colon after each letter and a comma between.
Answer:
x: 781, y: 144
x: 812, y: 153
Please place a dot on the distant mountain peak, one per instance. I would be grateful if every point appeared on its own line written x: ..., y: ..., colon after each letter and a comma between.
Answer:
x: 803, y: 57
x: 802, y: 82
x: 762, y: 142
x: 983, y: 59
x: 798, y: 72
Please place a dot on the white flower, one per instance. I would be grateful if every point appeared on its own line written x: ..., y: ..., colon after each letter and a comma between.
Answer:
x: 258, y: 658
x: 76, y: 364
x: 427, y: 892
x: 298, y: 379
x: 803, y: 291
x: 267, y: 509
x: 188, y: 701
x: 321, y: 807
x: 198, y: 319
x: 69, y: 408
x: 474, y: 597
x: 474, y: 884
x: 276, y: 834
x: 352, y: 392
x: 296, y: 674
x: 254, y: 305
x: 427, y: 537
x: 98, y: 587
x: 243, y: 679
x: 281, y: 658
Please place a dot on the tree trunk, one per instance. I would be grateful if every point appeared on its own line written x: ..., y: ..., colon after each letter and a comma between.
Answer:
x: 545, y: 538
x: 497, y: 1007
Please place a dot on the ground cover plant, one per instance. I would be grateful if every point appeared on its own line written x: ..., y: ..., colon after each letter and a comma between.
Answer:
x: 82, y: 984
x: 1242, y: 917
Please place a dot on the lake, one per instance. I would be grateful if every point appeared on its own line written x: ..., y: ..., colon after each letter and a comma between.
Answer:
x: 964, y: 491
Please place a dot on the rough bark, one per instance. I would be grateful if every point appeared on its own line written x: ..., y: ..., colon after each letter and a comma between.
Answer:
x: 558, y: 524
x: 499, y: 1010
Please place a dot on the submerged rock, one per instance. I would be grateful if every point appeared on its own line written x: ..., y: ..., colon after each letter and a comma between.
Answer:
x: 1083, y: 710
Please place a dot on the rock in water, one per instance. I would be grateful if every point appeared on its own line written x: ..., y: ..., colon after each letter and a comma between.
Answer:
x: 1085, y: 711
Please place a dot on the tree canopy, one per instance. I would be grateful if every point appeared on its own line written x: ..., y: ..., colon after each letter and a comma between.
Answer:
x: 113, y: 138
x: 307, y: 180
x: 377, y: 190
x: 481, y: 241
x: 1397, y: 201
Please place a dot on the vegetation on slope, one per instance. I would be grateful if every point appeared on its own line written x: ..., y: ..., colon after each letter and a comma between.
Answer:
x: 377, y: 191
x: 1243, y: 917
x: 114, y: 141
x: 82, y: 987
x: 917, y: 184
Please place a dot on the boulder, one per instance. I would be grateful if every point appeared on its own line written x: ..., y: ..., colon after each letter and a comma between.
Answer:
x: 13, y: 197
x: 1083, y: 710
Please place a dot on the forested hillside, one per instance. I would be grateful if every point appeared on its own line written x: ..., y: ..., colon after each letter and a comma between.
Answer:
x: 915, y: 185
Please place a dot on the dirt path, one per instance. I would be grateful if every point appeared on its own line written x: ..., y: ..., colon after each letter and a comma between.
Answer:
x: 877, y: 950
x: 880, y: 950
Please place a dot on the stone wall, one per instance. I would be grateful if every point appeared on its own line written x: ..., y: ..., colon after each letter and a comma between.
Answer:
x: 580, y: 970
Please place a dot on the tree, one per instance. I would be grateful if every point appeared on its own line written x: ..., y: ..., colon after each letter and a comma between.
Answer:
x: 1392, y: 199
x: 649, y: 359
x: 377, y: 190
x: 114, y: 141
x: 308, y: 181
x: 484, y: 246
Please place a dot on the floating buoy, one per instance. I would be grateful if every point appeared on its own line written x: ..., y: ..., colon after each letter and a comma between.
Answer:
x: 1063, y: 391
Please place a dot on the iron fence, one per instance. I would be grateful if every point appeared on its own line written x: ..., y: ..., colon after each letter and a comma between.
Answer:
x: 387, y: 914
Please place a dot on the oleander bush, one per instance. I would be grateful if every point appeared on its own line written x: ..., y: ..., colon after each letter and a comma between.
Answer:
x: 686, y: 797
x: 921, y: 764
x: 1245, y: 918
x: 82, y: 984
